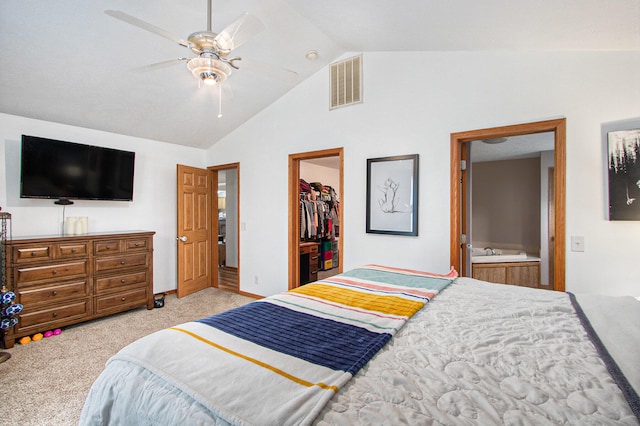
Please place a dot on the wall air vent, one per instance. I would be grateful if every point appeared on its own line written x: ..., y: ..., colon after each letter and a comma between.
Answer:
x: 346, y: 82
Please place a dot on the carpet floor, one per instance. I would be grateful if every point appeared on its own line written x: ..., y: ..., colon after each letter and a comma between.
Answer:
x: 46, y: 382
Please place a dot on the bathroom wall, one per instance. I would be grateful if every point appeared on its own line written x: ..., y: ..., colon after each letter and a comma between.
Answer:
x: 505, y: 208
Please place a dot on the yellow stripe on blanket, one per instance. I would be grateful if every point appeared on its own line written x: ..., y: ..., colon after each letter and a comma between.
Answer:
x: 390, y: 305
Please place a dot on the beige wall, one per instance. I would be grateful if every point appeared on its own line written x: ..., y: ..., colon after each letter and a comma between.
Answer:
x: 506, y: 204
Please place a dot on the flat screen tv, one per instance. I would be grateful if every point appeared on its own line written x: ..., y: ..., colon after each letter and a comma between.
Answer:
x: 65, y: 170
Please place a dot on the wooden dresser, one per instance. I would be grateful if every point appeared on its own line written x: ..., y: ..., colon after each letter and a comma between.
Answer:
x: 308, y: 262
x: 64, y: 280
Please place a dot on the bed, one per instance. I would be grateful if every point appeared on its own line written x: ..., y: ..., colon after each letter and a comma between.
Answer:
x: 382, y: 345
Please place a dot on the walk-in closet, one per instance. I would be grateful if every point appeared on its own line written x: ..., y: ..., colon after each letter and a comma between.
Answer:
x: 319, y: 218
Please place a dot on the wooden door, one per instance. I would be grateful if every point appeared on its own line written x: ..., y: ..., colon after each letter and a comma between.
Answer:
x: 194, y: 229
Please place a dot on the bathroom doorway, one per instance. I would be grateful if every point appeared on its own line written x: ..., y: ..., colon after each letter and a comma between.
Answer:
x: 226, y: 213
x: 507, y: 216
x: 552, y: 235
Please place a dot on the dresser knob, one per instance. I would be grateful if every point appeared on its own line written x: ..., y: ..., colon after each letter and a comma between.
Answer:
x: 54, y: 272
x: 123, y: 299
x: 137, y: 244
x: 73, y: 250
x: 33, y: 253
x: 55, y: 314
x: 122, y: 262
x: 123, y: 281
x: 54, y: 293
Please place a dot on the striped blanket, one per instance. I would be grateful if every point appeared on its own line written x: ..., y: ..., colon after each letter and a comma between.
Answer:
x: 280, y: 359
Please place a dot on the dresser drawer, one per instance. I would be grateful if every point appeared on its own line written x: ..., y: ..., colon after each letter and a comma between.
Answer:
x: 137, y: 244
x: 119, y: 262
x: 310, y: 249
x: 120, y: 282
x: 36, y: 253
x: 48, y: 272
x: 67, y: 250
x: 106, y: 247
x: 54, y: 293
x: 121, y: 301
x: 51, y: 316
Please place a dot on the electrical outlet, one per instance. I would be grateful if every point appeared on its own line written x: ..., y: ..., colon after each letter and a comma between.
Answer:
x: 577, y: 243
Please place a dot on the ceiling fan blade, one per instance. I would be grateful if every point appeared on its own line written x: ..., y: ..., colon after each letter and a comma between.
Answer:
x: 146, y: 26
x: 159, y: 65
x: 238, y: 32
x: 282, y: 74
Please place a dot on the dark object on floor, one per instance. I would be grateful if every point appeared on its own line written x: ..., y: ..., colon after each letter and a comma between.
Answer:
x: 4, y: 356
x: 158, y: 301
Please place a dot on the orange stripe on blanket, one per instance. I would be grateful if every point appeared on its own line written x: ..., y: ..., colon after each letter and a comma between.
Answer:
x: 392, y: 305
x: 412, y: 291
x: 257, y: 362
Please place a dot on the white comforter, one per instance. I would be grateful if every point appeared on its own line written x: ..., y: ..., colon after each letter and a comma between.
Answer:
x: 493, y: 355
x: 500, y: 355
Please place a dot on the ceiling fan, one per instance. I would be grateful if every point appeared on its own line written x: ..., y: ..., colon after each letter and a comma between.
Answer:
x: 213, y: 63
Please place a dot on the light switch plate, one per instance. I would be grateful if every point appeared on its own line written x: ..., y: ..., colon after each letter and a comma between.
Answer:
x: 577, y: 243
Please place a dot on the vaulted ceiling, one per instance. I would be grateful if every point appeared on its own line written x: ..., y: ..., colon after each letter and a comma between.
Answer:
x: 67, y: 61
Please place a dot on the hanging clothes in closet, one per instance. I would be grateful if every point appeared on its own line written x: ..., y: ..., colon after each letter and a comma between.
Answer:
x: 318, y: 211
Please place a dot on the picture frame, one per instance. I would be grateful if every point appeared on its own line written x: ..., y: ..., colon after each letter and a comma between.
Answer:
x: 392, y: 195
x: 623, y: 148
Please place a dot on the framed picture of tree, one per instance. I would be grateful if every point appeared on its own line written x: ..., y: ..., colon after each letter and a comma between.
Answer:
x: 392, y: 195
x: 624, y: 174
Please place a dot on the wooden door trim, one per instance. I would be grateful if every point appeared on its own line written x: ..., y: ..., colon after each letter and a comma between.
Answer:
x: 558, y: 126
x: 215, y: 222
x: 294, y: 206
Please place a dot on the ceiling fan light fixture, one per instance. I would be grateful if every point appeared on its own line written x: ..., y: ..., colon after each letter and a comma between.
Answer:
x: 209, y: 70
x: 494, y: 141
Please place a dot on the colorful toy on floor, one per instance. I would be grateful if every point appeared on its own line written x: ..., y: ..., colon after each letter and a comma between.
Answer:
x: 37, y: 336
x: 57, y: 332
x: 25, y: 340
x: 48, y: 334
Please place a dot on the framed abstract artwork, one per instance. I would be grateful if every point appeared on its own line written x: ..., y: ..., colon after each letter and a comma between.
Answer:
x: 392, y: 195
x: 623, y: 148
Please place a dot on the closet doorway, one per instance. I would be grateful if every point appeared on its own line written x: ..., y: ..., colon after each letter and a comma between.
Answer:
x: 301, y: 247
x: 225, y: 228
x: 460, y: 189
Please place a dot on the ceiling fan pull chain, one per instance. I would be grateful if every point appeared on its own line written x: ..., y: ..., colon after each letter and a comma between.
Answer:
x: 219, y: 100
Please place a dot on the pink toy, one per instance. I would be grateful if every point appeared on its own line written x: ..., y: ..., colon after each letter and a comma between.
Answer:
x: 57, y: 332
x: 48, y: 334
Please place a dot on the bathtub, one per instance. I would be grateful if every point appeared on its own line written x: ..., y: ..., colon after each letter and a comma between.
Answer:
x: 492, y: 255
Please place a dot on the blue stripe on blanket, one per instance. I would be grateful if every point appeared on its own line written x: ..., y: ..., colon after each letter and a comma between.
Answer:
x: 320, y: 341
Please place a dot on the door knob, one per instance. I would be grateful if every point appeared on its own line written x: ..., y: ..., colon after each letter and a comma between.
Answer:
x: 183, y: 238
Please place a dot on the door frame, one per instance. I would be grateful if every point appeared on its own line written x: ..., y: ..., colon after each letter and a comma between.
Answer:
x: 459, y: 186
x: 294, y: 209
x: 215, y: 222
